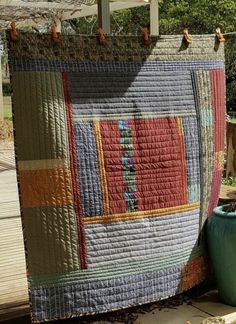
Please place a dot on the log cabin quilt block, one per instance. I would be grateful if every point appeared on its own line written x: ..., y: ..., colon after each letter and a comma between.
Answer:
x: 119, y: 152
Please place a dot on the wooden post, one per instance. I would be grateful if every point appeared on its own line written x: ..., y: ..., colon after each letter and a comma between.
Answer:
x: 1, y: 92
x: 104, y: 19
x: 154, y: 17
x: 58, y: 24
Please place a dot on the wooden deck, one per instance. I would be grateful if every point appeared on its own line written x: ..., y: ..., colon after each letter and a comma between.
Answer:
x: 13, y: 284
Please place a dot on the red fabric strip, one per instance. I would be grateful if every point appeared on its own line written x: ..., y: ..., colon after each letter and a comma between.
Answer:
x: 215, y: 191
x: 112, y: 152
x: 162, y: 162
x: 218, y: 105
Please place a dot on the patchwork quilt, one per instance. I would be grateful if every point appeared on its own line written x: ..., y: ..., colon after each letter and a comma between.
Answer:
x: 119, y: 157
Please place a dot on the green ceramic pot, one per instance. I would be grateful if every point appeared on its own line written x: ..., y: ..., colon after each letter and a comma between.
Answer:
x: 221, y: 238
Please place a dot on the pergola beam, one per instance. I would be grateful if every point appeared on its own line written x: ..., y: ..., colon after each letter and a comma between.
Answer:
x: 85, y: 11
x: 39, y: 5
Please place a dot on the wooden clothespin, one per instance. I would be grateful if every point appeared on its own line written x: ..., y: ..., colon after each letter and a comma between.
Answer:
x: 187, y: 37
x: 146, y: 36
x: 13, y: 31
x: 101, y: 37
x: 56, y: 37
x: 219, y: 35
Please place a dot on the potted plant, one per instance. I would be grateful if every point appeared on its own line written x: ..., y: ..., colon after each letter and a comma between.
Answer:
x: 221, y: 238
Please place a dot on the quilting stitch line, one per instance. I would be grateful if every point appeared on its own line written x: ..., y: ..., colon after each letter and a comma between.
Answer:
x: 75, y: 183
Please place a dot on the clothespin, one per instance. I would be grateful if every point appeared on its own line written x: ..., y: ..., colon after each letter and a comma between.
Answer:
x: 101, y: 37
x: 54, y: 34
x: 146, y: 36
x: 13, y: 31
x: 219, y: 35
x: 187, y: 37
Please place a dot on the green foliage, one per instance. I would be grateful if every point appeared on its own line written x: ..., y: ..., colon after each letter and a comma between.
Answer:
x: 135, y: 19
x: 200, y: 16
x: 231, y: 181
x: 231, y: 96
x: 230, y: 56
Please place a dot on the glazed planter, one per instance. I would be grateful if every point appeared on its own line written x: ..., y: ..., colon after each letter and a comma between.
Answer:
x: 221, y: 237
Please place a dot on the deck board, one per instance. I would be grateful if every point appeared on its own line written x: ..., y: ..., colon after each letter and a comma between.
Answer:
x: 13, y: 283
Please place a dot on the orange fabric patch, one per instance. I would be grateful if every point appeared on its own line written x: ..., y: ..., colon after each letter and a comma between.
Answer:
x: 194, y: 272
x: 39, y: 188
x: 219, y: 160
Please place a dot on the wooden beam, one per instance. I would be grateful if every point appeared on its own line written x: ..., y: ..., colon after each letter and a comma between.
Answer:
x: 154, y: 17
x: 85, y: 11
x: 41, y: 4
x: 104, y: 19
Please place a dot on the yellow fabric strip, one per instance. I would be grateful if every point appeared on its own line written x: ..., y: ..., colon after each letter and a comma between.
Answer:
x: 102, y: 168
x: 128, y: 116
x: 43, y: 164
x: 180, y: 124
x: 140, y: 214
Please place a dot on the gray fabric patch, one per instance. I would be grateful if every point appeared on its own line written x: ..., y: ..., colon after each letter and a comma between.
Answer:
x: 192, y: 153
x: 105, y: 94
x: 160, y: 237
x: 87, y: 158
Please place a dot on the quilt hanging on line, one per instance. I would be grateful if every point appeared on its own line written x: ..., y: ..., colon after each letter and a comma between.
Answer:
x: 119, y: 158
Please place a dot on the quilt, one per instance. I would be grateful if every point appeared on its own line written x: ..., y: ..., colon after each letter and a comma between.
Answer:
x: 119, y: 150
